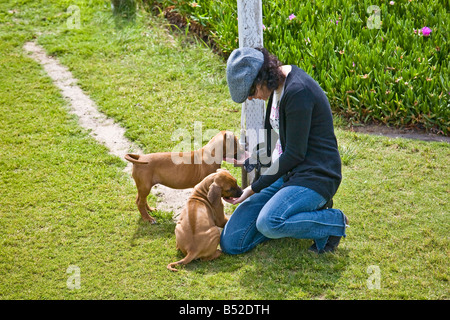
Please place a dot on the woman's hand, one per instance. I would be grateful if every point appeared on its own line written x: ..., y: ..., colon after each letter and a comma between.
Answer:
x: 245, y: 194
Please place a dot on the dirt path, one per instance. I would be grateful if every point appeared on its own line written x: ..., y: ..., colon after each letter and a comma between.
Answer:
x: 102, y: 128
x: 380, y: 130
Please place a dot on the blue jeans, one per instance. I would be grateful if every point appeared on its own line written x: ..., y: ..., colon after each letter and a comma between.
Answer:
x: 275, y: 213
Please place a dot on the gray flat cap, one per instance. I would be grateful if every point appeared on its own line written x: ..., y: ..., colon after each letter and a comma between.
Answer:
x: 243, y: 66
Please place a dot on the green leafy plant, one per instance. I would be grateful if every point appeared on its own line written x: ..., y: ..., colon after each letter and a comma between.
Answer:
x: 385, y: 71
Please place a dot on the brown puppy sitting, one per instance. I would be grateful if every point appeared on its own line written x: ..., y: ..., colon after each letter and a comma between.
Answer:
x: 196, y: 232
x: 179, y: 170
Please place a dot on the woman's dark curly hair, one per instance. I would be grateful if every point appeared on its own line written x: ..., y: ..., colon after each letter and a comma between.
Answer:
x: 270, y: 73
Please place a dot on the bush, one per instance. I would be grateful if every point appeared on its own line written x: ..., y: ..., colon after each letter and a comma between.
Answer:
x: 397, y: 74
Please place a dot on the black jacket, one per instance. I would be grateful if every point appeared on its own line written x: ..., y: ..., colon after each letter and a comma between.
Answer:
x: 310, y: 153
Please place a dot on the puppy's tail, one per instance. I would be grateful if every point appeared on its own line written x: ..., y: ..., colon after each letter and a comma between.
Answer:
x: 134, y: 158
x: 189, y: 257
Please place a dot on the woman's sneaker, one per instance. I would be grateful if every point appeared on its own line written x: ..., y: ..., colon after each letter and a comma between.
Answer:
x: 331, y: 245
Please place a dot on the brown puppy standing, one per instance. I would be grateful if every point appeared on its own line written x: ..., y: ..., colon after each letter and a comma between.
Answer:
x: 179, y: 170
x: 196, y: 232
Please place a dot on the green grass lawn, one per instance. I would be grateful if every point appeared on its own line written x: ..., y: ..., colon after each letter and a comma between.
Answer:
x: 65, y: 201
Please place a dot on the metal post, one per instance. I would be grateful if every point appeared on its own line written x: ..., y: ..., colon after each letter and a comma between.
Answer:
x: 252, y: 119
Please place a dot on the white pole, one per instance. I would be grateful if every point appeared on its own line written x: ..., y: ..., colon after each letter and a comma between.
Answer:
x: 252, y: 113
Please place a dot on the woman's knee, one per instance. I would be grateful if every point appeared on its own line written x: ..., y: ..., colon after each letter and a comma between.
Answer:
x: 229, y: 245
x: 231, y: 241
x: 268, y: 225
x: 237, y: 241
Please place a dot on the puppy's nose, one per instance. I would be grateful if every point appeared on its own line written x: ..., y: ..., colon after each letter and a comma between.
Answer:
x: 238, y: 192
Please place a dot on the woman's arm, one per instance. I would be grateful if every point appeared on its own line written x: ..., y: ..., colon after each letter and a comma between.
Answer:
x: 298, y: 108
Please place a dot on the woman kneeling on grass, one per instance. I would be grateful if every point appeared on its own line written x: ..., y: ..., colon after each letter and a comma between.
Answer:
x: 293, y: 198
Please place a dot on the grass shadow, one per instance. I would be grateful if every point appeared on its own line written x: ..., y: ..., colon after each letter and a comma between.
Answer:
x: 124, y: 12
x: 286, y: 268
x: 278, y: 269
x: 164, y: 227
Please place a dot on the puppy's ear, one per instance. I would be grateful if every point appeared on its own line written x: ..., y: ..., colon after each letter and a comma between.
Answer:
x: 214, y: 194
x: 220, y: 141
x: 230, y: 145
x: 224, y: 143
